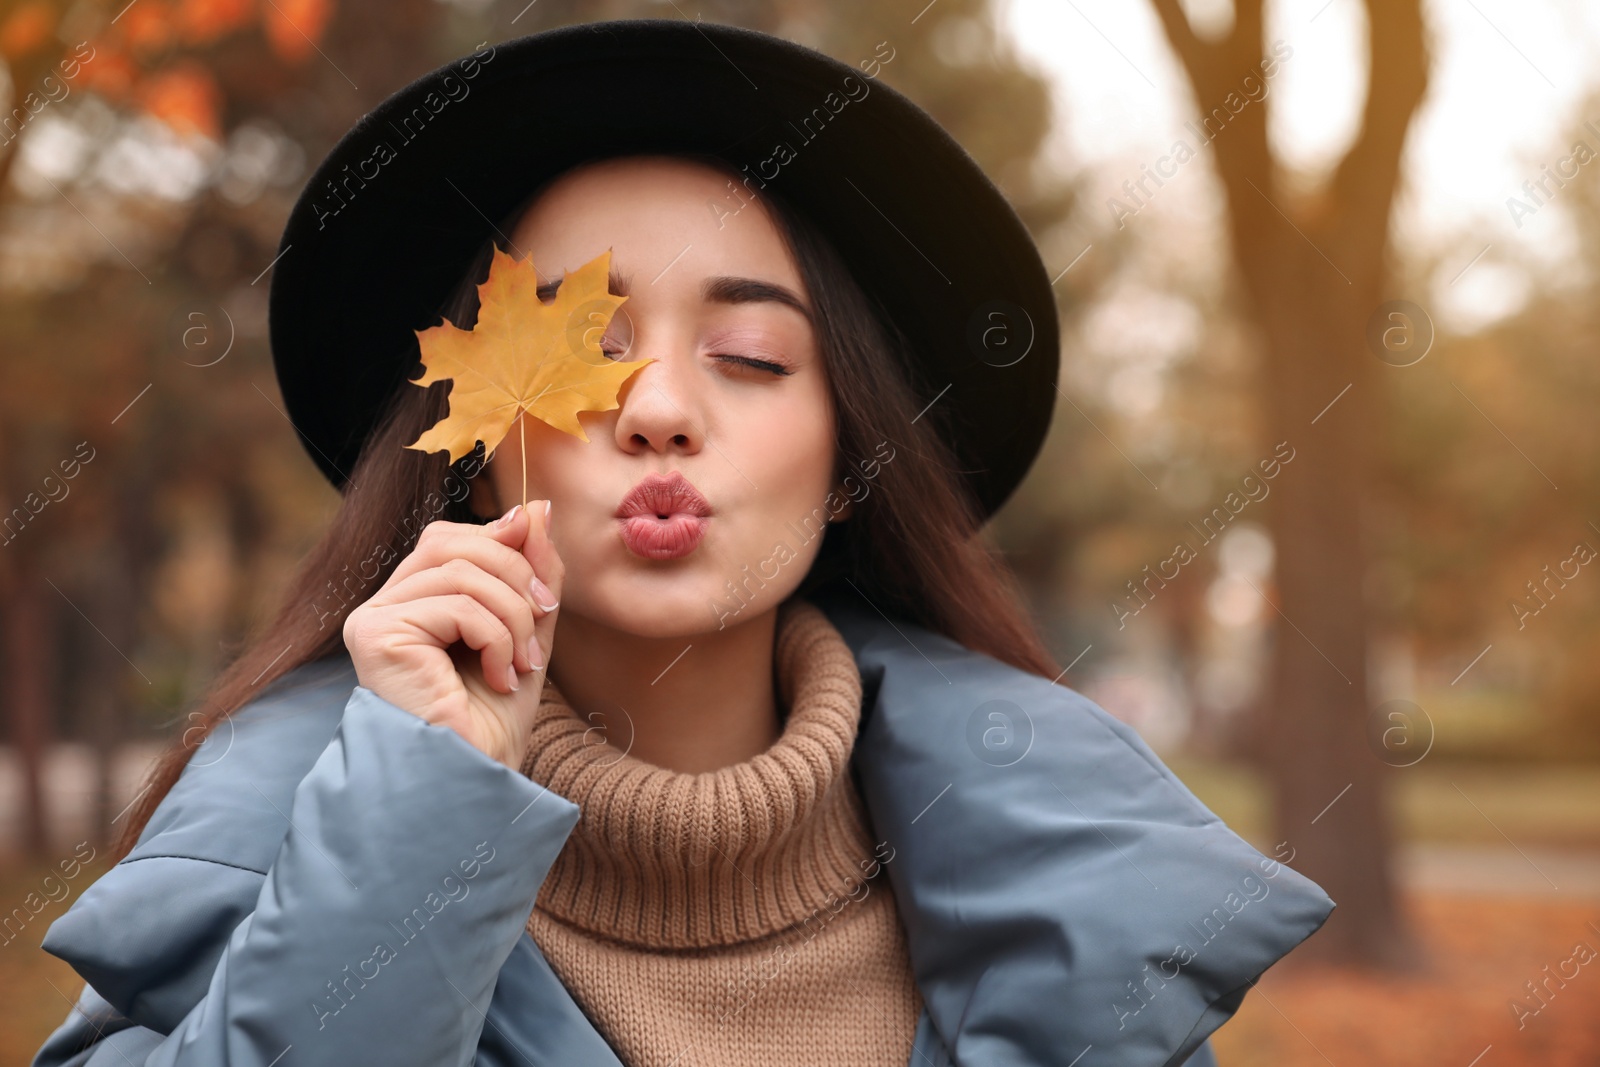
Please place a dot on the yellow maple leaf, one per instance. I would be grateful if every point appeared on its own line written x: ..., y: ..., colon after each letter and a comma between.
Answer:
x: 524, y: 355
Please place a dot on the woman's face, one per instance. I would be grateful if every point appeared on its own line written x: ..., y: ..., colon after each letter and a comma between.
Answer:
x: 707, y: 293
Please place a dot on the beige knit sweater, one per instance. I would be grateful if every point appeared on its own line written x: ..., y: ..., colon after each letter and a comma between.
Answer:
x: 736, y: 917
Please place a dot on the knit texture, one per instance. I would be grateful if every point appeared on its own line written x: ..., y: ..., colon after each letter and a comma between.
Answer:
x: 738, y: 916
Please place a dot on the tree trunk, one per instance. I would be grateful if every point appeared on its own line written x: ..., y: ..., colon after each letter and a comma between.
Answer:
x: 29, y: 640
x: 107, y: 707
x: 1313, y: 275
x: 1329, y: 787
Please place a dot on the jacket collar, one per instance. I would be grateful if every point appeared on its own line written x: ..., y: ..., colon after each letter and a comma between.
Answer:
x: 1061, y: 889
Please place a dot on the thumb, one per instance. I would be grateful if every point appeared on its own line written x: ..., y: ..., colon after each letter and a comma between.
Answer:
x: 511, y: 528
x: 540, y: 550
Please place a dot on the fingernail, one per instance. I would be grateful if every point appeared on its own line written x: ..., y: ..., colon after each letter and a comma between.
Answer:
x: 511, y: 677
x: 547, y: 516
x: 508, y: 516
x: 535, y: 653
x: 541, y: 593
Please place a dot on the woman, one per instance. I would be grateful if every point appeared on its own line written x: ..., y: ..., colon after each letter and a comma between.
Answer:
x: 788, y: 671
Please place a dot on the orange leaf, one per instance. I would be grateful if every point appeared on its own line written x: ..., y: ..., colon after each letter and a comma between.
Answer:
x: 147, y: 26
x: 26, y: 28
x: 186, y: 98
x: 524, y: 355
x: 203, y: 21
x: 293, y: 26
x: 110, y: 73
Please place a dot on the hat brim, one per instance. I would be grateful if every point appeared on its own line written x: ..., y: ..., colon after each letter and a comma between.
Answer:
x: 387, y: 225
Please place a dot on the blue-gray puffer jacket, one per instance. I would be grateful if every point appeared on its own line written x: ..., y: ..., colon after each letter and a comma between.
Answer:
x: 334, y: 881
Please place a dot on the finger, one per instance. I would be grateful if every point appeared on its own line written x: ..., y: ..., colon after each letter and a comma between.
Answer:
x: 421, y: 557
x: 444, y: 620
x: 494, y: 549
x: 523, y: 529
x: 509, y: 605
x: 540, y: 551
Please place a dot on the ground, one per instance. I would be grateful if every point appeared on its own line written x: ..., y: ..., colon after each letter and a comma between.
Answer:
x: 1456, y: 1014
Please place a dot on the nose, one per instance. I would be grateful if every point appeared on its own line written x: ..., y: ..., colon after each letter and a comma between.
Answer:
x: 658, y: 412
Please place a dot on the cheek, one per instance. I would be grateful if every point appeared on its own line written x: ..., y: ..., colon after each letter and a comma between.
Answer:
x: 790, y: 457
x: 793, y: 445
x: 561, y: 469
x: 573, y: 474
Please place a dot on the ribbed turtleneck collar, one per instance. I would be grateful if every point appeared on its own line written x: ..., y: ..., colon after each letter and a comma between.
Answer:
x: 669, y: 860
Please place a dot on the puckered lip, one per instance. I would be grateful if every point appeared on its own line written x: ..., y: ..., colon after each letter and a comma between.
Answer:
x: 664, y: 495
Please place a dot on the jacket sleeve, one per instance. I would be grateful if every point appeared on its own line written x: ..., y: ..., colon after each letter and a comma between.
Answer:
x: 400, y: 876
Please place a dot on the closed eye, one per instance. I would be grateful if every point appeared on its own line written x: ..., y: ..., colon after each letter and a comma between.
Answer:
x: 747, y: 361
x: 761, y: 364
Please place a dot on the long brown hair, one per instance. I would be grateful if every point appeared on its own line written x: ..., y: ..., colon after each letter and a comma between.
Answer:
x: 913, y: 546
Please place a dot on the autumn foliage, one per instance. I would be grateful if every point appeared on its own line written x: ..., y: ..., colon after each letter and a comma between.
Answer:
x: 143, y: 52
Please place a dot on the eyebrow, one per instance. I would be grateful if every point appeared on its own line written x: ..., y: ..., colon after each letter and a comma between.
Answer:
x: 721, y: 289
x: 724, y: 289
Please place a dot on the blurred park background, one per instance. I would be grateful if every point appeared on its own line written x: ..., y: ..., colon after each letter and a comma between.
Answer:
x: 1316, y: 515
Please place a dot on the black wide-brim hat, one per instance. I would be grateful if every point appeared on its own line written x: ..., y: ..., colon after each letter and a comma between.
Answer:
x: 389, y: 223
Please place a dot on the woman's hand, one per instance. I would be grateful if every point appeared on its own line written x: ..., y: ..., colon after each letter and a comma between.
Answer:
x: 460, y: 633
